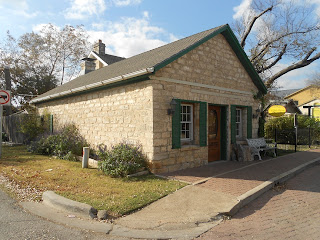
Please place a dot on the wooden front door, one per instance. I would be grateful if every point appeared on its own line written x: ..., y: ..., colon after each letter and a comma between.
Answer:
x: 214, y: 133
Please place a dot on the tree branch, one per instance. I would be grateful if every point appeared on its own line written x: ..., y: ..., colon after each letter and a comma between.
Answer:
x: 254, y: 19
x: 275, y: 40
x: 304, y: 62
x: 276, y: 60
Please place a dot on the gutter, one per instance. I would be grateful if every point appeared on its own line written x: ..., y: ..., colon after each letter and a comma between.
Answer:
x: 95, y: 85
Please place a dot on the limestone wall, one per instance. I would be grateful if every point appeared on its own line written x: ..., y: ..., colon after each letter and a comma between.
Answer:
x: 109, y: 116
x: 210, y: 73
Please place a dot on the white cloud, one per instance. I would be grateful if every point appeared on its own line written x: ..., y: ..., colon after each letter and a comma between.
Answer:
x: 242, y: 9
x: 97, y: 26
x: 14, y: 4
x: 295, y: 79
x: 81, y: 9
x: 17, y: 8
x: 122, y: 3
x: 131, y: 36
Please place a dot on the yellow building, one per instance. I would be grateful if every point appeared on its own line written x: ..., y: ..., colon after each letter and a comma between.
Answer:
x: 308, y: 96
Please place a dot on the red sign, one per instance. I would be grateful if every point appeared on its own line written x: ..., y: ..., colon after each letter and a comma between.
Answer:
x: 4, y: 97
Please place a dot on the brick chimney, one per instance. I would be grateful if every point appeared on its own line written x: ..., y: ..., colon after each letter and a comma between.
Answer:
x: 88, y: 65
x: 99, y: 47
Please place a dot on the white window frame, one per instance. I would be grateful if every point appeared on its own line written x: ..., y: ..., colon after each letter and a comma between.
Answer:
x: 239, y: 123
x: 187, y: 122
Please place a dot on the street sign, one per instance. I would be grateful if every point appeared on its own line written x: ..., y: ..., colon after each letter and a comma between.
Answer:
x: 5, y: 96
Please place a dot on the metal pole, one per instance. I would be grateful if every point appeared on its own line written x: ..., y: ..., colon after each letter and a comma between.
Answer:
x: 275, y: 140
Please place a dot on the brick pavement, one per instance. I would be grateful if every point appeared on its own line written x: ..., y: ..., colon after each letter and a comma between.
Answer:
x: 239, y: 182
x: 192, y: 175
x: 290, y: 211
x: 236, y: 178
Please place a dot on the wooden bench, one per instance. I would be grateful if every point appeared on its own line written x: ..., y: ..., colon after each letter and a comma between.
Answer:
x: 258, y: 145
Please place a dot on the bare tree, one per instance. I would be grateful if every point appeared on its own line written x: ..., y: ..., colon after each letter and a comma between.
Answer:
x: 60, y: 50
x: 314, y: 79
x: 40, y: 61
x: 279, y: 33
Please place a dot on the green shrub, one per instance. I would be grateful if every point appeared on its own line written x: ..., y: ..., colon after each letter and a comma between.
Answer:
x: 31, y: 126
x: 65, y: 144
x: 121, y: 160
x: 285, y: 128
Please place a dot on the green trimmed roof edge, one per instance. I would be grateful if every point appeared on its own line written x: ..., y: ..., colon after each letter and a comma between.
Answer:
x: 233, y: 41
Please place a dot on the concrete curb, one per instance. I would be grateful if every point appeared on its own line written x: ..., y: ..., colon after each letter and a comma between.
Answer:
x: 56, y: 201
x: 249, y: 196
x: 63, y: 217
x: 189, y: 233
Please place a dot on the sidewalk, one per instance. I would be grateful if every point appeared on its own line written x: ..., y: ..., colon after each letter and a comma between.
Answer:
x: 215, y: 191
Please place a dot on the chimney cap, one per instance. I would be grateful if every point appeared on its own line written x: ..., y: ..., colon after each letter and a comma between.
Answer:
x: 88, y: 59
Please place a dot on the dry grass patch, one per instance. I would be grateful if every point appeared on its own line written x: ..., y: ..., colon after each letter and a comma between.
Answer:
x: 118, y: 196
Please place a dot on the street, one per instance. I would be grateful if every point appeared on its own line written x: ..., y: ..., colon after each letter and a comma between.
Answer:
x: 17, y: 224
x: 289, y: 211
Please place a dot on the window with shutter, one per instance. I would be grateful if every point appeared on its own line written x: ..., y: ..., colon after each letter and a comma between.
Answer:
x: 189, y: 124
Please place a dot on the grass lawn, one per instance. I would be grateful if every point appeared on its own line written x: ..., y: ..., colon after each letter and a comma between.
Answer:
x: 117, y: 196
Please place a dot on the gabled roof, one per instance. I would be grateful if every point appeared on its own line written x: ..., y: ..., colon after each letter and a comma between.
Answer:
x: 300, y: 90
x: 283, y: 93
x: 308, y: 102
x: 149, y: 62
x: 106, y: 59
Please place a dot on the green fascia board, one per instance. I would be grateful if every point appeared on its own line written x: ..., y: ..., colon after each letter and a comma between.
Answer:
x: 112, y: 85
x: 233, y: 41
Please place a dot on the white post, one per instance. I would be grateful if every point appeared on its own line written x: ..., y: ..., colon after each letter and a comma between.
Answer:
x: 85, y: 157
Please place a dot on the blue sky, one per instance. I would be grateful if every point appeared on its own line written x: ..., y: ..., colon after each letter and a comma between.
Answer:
x: 129, y: 27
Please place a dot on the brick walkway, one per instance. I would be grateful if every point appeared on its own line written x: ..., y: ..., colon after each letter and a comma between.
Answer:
x: 289, y: 212
x: 236, y: 178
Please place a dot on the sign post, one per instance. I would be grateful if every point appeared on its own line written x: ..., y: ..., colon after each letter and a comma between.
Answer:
x: 5, y: 97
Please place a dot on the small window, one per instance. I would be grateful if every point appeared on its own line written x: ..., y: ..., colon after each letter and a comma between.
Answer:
x: 238, y: 122
x: 186, y: 122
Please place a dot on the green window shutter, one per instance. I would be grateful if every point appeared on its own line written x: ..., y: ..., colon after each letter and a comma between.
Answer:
x: 203, y: 124
x: 176, y: 126
x: 249, y: 122
x: 233, y: 123
x: 51, y: 123
x: 223, y: 133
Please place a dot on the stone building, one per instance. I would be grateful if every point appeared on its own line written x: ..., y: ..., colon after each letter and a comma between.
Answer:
x: 186, y: 102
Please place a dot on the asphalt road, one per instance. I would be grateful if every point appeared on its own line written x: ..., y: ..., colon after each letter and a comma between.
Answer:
x: 15, y: 223
x: 290, y: 211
